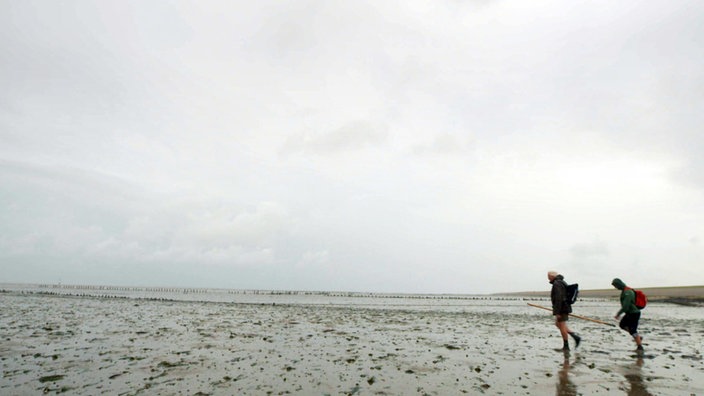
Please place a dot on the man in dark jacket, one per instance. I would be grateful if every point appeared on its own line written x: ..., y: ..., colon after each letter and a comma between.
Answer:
x: 561, y: 309
x: 632, y: 313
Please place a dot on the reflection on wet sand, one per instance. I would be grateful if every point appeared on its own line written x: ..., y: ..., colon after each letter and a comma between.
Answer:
x: 565, y: 386
x: 634, y: 375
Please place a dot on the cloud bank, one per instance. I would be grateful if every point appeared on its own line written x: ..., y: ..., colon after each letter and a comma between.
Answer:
x: 452, y: 147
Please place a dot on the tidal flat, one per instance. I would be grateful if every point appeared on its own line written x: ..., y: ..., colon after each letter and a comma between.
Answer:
x: 87, y: 343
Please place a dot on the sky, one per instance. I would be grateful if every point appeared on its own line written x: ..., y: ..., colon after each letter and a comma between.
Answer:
x: 407, y: 146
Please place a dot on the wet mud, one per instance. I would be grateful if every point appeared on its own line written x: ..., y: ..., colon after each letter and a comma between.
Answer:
x: 86, y: 345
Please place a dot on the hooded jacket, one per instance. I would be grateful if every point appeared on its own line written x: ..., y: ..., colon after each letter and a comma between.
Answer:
x: 628, y: 298
x: 558, y: 295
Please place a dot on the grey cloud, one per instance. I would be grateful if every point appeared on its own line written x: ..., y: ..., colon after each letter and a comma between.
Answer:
x: 97, y: 217
x: 445, y: 144
x: 591, y: 263
x: 321, y: 144
x: 320, y: 33
x: 355, y: 135
x: 589, y: 250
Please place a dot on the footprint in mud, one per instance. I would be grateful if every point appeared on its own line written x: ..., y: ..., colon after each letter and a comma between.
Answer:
x: 51, y: 378
x: 600, y: 352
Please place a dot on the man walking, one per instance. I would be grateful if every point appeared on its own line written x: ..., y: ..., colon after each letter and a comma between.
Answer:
x: 632, y: 313
x: 561, y: 309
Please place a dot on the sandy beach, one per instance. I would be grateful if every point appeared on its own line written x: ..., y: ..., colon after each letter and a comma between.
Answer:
x: 88, y: 345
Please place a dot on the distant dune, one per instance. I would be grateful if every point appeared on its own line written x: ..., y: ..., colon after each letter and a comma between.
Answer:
x: 686, y: 295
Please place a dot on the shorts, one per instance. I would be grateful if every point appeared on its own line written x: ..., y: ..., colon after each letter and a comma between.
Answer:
x: 562, y: 317
x: 629, y: 322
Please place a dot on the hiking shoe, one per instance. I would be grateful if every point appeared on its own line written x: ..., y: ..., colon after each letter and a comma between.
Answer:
x: 640, y: 348
x: 577, y: 340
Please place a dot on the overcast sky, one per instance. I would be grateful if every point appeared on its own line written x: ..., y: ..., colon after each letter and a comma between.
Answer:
x: 388, y: 146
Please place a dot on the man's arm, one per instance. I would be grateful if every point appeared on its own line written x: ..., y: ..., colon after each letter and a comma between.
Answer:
x: 629, y: 298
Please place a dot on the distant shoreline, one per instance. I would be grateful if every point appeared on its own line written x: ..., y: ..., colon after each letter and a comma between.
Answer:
x: 683, y: 295
x: 674, y: 294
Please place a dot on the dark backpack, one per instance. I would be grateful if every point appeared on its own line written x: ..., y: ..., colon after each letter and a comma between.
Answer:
x: 572, y: 293
x: 641, y: 299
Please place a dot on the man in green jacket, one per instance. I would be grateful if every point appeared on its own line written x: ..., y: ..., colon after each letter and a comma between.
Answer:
x: 628, y: 307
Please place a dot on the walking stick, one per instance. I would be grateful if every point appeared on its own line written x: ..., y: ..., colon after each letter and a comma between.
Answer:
x: 576, y: 316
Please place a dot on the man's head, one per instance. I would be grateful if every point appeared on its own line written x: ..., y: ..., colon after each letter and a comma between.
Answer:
x: 552, y: 275
x: 618, y: 283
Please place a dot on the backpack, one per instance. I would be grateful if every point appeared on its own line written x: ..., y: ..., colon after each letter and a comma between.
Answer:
x: 572, y: 293
x: 641, y: 299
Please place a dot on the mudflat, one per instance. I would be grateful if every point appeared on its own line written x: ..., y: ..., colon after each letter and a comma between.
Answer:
x: 87, y: 345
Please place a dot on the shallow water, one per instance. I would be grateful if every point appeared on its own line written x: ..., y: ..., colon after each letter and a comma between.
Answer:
x: 222, y: 342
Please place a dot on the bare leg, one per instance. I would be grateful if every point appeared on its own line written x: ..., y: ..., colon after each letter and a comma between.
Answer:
x: 564, y: 331
x: 638, y: 340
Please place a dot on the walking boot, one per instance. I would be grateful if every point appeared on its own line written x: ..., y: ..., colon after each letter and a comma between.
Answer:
x: 577, y: 339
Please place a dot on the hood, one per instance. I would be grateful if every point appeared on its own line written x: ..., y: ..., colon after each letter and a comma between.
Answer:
x: 558, y: 277
x: 618, y: 283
